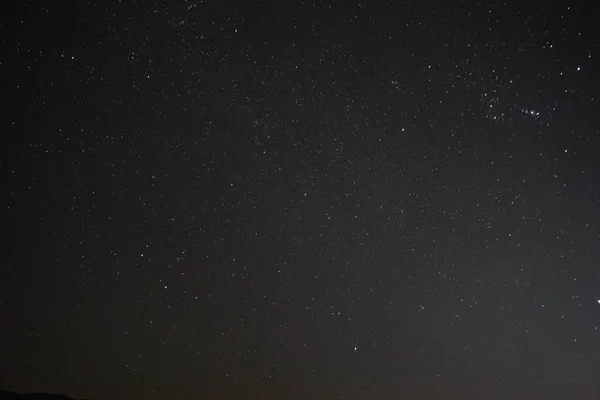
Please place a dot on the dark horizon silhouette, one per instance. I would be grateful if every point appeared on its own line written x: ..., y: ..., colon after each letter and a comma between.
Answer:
x: 6, y: 395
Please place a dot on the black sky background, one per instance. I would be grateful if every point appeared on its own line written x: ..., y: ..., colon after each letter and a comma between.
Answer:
x: 301, y: 200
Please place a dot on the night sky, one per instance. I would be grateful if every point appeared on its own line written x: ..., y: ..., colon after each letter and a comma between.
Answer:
x: 301, y: 200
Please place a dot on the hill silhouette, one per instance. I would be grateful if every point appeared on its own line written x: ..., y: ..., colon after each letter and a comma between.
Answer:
x: 5, y: 395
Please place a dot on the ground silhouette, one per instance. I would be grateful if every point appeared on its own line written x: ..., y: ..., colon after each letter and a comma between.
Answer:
x: 5, y: 395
